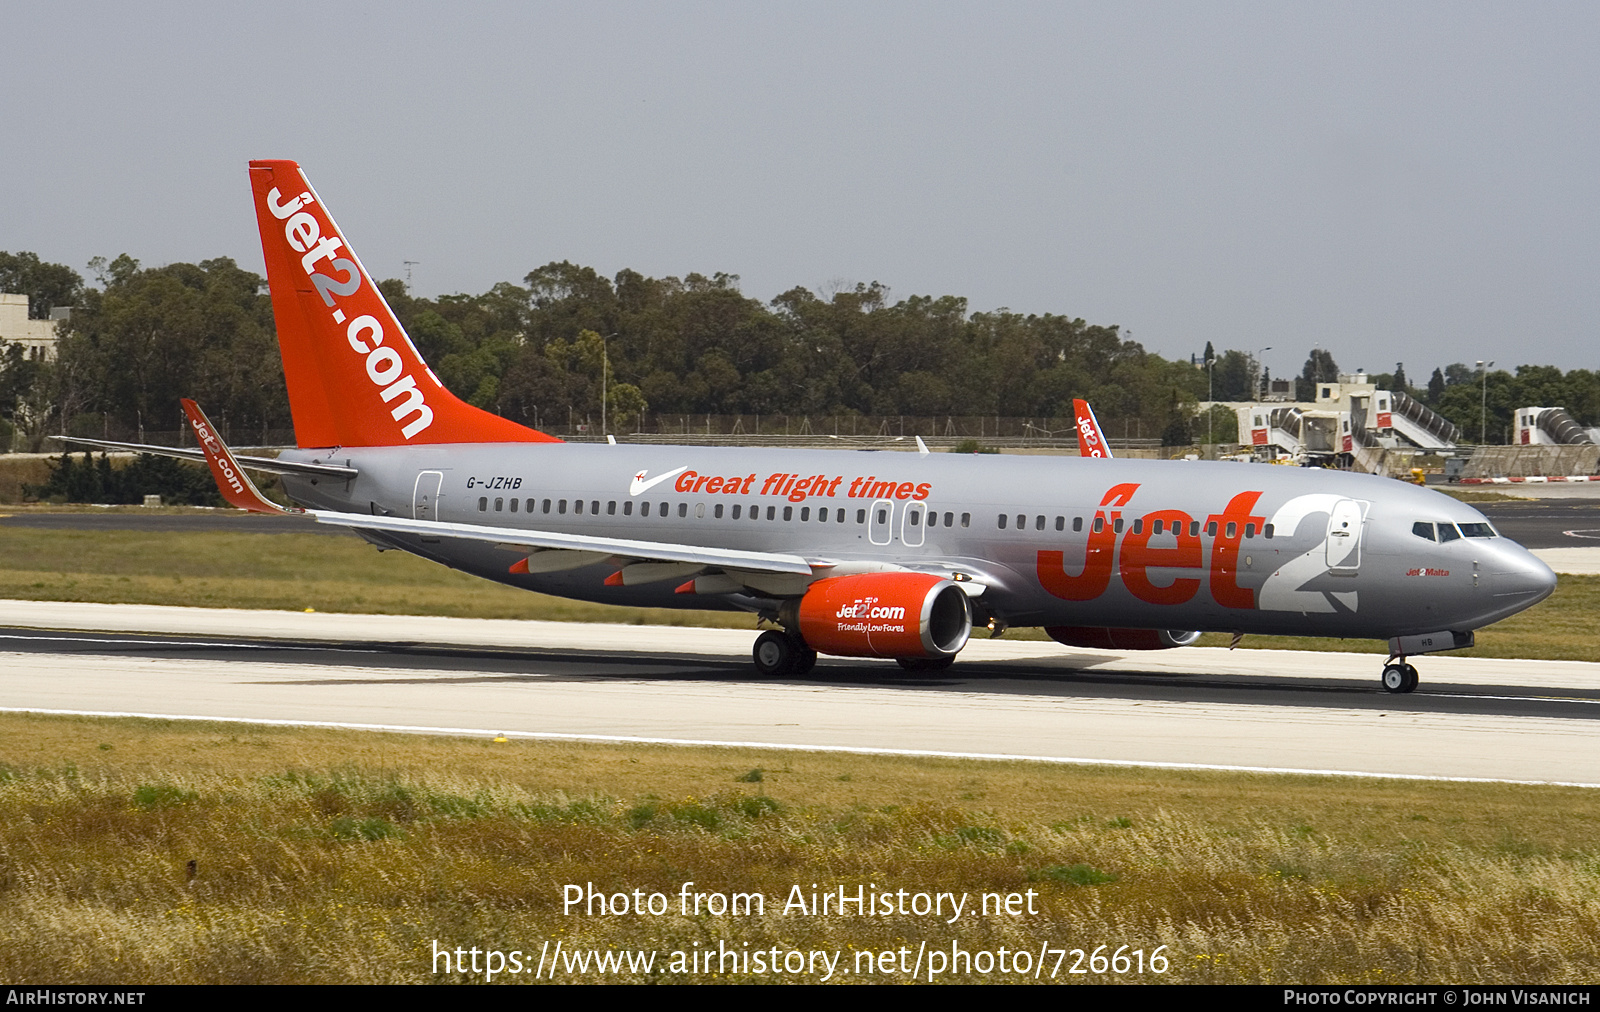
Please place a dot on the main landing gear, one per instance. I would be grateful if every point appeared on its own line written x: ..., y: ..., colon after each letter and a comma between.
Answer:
x: 1398, y: 676
x: 778, y: 654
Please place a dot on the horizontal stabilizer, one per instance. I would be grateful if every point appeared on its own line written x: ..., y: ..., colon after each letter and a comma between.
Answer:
x: 269, y: 464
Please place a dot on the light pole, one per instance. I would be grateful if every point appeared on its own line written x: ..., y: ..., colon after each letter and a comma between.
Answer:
x: 605, y: 364
x: 1211, y: 407
x: 1255, y: 377
x: 1483, y: 401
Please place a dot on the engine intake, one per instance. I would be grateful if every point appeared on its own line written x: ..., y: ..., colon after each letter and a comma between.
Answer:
x: 899, y: 615
x: 1121, y: 639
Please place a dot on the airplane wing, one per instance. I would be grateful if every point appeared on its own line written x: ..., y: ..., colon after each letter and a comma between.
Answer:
x: 269, y: 464
x: 1091, y: 441
x: 237, y: 488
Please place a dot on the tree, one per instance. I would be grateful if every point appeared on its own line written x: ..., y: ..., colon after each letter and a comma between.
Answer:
x: 1319, y: 368
x: 1436, y: 386
x: 45, y: 284
x: 1399, y: 382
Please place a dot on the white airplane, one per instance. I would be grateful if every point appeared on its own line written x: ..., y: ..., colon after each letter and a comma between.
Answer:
x: 860, y: 554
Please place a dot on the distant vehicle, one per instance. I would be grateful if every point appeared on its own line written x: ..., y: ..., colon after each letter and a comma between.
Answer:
x: 861, y: 554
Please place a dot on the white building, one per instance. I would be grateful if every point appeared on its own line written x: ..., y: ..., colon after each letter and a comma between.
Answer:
x: 38, y: 336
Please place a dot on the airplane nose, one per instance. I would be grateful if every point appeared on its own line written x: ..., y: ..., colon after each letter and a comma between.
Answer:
x: 1521, y: 579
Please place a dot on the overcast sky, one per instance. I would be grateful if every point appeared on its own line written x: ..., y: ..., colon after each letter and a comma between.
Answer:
x: 1394, y: 182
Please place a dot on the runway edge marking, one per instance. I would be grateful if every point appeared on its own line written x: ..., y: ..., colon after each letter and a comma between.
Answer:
x: 459, y: 732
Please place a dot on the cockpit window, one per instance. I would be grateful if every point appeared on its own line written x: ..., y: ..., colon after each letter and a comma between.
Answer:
x: 1478, y: 531
x: 1422, y: 529
x: 1448, y: 532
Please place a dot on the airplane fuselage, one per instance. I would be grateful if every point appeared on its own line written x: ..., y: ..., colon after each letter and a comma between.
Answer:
x: 1054, y: 541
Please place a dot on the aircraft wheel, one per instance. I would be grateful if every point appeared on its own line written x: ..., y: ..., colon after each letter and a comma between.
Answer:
x: 1411, y: 678
x: 775, y: 654
x: 925, y: 663
x: 805, y: 659
x: 1399, y: 678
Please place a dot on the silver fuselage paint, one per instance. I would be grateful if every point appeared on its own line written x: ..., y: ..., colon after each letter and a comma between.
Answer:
x: 1342, y: 560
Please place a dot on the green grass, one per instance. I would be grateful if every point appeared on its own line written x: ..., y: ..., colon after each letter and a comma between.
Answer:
x: 344, y: 574
x: 217, y: 569
x: 341, y: 857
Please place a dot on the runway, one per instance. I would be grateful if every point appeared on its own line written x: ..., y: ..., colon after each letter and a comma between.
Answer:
x: 1247, y: 709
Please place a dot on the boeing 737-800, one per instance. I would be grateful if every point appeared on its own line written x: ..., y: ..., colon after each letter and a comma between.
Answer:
x: 863, y: 554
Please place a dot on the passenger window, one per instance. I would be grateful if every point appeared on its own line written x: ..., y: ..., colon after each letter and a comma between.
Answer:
x: 1422, y: 530
x: 544, y: 507
x: 577, y: 507
x: 736, y: 509
x: 1267, y: 530
x: 1061, y: 523
x: 1099, y: 524
x: 788, y: 513
x: 966, y: 519
x: 805, y: 513
x: 1249, y: 530
x: 561, y: 506
x: 1233, y: 530
x: 594, y: 507
x: 1156, y: 528
x: 699, y: 510
x: 1077, y: 523
x: 499, y: 505
x: 627, y: 508
x: 513, y: 505
x: 718, y: 511
x: 1138, y: 526
x: 1116, y: 526
x: 644, y: 508
x: 1211, y: 529
x: 1038, y: 523
x: 772, y: 511
x: 683, y: 509
x: 1022, y: 522
x: 1194, y: 528
x: 949, y: 519
x: 483, y: 503
x: 840, y: 518
x: 1002, y: 521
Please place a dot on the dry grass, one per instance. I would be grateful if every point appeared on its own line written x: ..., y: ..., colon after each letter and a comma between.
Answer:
x: 326, y: 856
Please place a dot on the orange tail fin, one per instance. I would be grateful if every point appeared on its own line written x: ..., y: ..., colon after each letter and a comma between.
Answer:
x: 1091, y: 441
x: 354, y: 377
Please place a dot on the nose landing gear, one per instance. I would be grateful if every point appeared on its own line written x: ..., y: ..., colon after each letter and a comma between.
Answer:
x: 1398, y: 676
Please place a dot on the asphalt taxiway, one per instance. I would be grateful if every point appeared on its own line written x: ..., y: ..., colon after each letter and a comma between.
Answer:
x: 1196, y: 707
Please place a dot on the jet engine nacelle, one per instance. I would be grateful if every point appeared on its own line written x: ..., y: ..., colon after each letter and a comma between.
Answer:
x: 899, y: 615
x: 1122, y: 639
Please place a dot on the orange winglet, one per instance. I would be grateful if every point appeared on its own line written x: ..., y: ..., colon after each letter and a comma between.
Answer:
x: 615, y: 579
x: 687, y: 588
x: 232, y: 482
x: 520, y: 566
